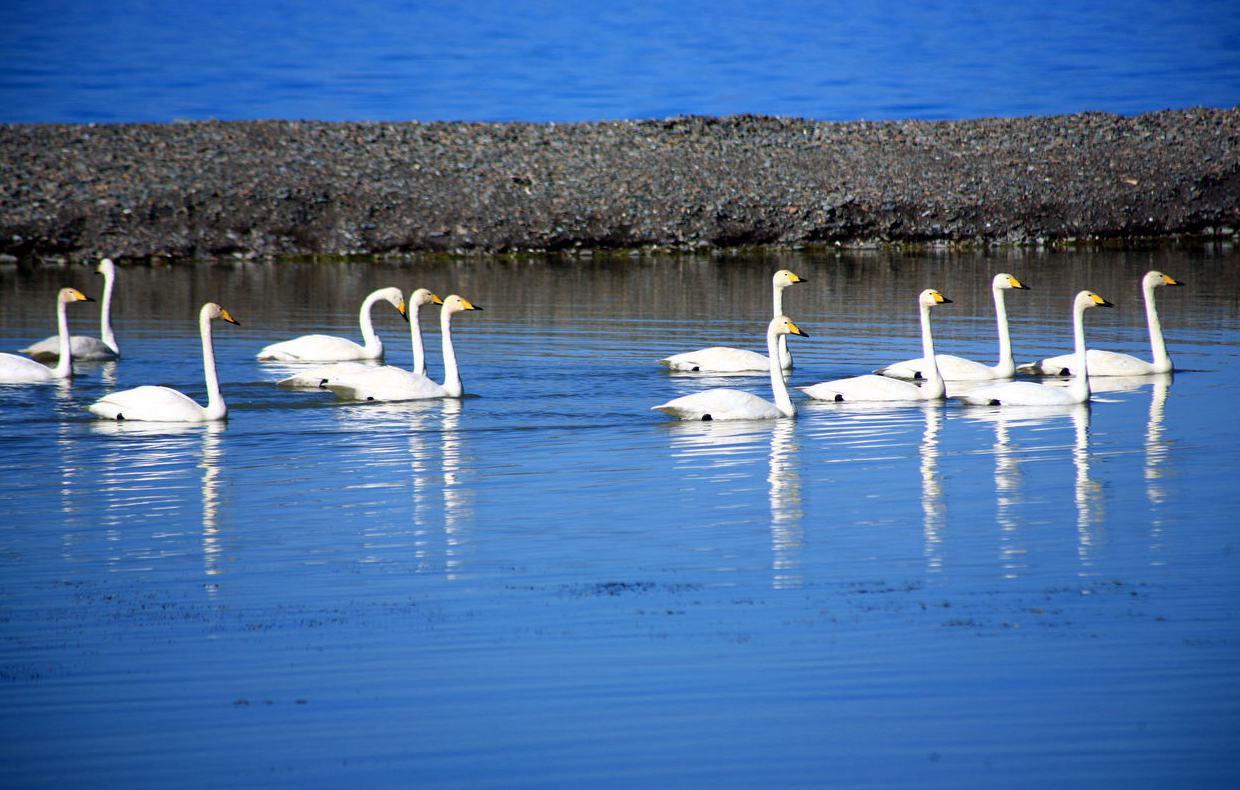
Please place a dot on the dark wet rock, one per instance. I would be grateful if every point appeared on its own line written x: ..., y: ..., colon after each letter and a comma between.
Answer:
x: 274, y: 187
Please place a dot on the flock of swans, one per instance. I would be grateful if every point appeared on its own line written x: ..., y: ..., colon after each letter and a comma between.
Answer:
x: 346, y: 367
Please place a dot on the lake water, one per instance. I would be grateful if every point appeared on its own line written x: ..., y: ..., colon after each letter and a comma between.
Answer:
x: 549, y: 584
x: 557, y: 60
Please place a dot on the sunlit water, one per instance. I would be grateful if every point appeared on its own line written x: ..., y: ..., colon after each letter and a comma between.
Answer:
x: 548, y: 583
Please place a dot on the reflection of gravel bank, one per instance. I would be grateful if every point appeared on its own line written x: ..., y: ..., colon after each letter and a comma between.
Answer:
x: 198, y: 189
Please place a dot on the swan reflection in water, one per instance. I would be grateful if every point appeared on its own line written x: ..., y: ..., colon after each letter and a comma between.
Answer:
x: 934, y: 511
x: 720, y: 451
x: 147, y: 459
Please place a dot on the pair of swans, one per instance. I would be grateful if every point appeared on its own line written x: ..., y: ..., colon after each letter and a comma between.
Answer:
x: 84, y: 347
x: 15, y: 369
x: 723, y: 359
x: 1110, y: 363
x: 164, y: 404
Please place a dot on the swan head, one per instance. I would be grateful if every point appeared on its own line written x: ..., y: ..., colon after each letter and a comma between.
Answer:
x: 394, y: 297
x: 1156, y: 279
x: 1007, y: 281
x: 783, y: 325
x: 212, y: 311
x: 458, y: 304
x: 67, y: 295
x: 105, y: 267
x: 423, y: 296
x: 783, y: 278
x: 1088, y: 299
x: 932, y: 298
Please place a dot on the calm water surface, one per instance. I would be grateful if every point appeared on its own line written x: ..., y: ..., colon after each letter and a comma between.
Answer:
x: 547, y: 583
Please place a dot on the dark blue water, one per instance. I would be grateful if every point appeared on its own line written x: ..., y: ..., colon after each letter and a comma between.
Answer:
x: 559, y: 60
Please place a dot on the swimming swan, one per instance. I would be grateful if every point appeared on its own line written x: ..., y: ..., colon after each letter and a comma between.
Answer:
x: 329, y: 348
x: 163, y: 404
x: 872, y: 387
x: 1109, y: 363
x: 722, y: 359
x: 316, y: 378
x: 85, y: 347
x: 730, y: 404
x: 954, y: 368
x: 19, y: 370
x: 1029, y: 393
x: 390, y: 383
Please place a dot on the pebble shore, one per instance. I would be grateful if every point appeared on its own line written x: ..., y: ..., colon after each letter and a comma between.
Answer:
x: 265, y: 188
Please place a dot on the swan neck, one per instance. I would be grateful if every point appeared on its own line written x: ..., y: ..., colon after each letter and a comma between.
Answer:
x: 1079, y: 386
x: 451, y: 375
x: 64, y: 368
x: 777, y: 304
x: 1158, y: 346
x: 1007, y: 365
x: 415, y: 335
x: 105, y: 313
x: 369, y: 339
x: 778, y: 387
x: 934, y: 387
x: 215, y: 400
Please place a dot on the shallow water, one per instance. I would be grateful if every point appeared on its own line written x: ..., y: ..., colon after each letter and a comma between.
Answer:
x: 556, y: 60
x: 547, y: 583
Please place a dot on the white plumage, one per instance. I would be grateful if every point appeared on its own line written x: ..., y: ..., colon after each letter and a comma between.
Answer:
x: 84, y: 347
x: 20, y: 370
x: 330, y: 348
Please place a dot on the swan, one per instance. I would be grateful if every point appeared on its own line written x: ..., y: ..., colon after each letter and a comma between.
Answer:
x: 390, y: 383
x: 329, y: 348
x: 318, y: 377
x: 730, y: 404
x: 721, y: 359
x: 954, y: 368
x: 871, y: 387
x: 1029, y: 393
x: 163, y: 404
x: 85, y: 347
x: 1110, y: 363
x: 19, y: 370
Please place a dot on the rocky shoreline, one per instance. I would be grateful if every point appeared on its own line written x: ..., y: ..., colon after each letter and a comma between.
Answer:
x: 263, y: 188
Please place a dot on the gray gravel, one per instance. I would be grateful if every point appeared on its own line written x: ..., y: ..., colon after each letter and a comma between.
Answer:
x: 273, y: 187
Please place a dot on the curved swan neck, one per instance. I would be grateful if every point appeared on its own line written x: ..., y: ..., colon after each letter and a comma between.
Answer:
x: 64, y: 368
x: 1158, y: 346
x: 1007, y: 365
x: 105, y: 313
x: 934, y: 387
x: 415, y: 335
x: 451, y: 375
x: 777, y: 304
x: 1079, y: 386
x: 370, y: 340
x: 215, y: 400
x: 778, y: 387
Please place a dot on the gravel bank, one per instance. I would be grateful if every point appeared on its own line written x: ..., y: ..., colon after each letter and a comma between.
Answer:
x: 272, y: 187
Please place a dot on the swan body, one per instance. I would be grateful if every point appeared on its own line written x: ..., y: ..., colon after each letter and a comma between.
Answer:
x: 317, y: 378
x: 954, y: 368
x: 390, y: 383
x: 20, y: 370
x: 1111, y: 363
x: 723, y: 359
x: 329, y: 348
x: 85, y: 347
x: 731, y: 404
x: 872, y: 387
x: 1028, y: 393
x: 163, y: 404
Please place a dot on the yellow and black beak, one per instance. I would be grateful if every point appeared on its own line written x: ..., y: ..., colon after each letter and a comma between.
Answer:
x: 81, y: 297
x: 435, y: 299
x: 796, y: 278
x: 403, y: 310
x: 1169, y: 280
x: 793, y: 329
x: 227, y: 316
x: 1015, y: 283
x: 468, y: 305
x: 941, y: 299
x: 1099, y: 301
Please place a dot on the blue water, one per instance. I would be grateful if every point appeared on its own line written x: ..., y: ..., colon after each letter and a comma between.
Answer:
x: 550, y: 584
x: 131, y: 60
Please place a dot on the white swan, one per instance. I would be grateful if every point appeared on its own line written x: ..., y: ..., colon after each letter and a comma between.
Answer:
x: 1029, y: 393
x: 390, y: 383
x: 872, y: 387
x: 85, y: 347
x: 730, y: 404
x: 329, y: 348
x: 722, y: 359
x: 954, y: 368
x: 19, y: 370
x: 163, y: 404
x: 318, y: 377
x: 1110, y: 363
